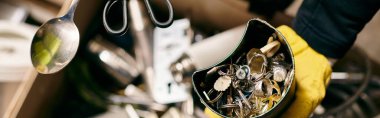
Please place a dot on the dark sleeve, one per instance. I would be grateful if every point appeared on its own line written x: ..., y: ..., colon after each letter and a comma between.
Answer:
x: 268, y: 7
x: 331, y: 26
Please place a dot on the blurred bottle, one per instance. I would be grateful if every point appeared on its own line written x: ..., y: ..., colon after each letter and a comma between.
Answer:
x: 207, y: 53
x: 12, y: 12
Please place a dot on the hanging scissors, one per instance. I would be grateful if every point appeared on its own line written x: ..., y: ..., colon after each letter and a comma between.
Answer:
x: 124, y: 27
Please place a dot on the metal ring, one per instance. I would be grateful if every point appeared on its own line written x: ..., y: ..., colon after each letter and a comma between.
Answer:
x: 229, y: 106
x: 220, y: 94
x: 264, y: 57
x: 264, y: 64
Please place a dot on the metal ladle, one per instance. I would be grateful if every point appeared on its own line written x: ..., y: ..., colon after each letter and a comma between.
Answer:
x: 56, y: 42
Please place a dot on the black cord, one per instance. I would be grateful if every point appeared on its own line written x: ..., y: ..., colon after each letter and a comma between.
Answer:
x: 352, y: 99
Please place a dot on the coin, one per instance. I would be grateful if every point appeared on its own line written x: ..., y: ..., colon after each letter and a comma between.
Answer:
x: 279, y: 73
x: 222, y: 83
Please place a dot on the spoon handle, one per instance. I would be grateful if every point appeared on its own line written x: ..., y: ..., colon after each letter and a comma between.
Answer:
x: 68, y: 9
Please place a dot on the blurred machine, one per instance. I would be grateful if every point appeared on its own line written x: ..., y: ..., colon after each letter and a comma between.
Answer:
x: 353, y: 89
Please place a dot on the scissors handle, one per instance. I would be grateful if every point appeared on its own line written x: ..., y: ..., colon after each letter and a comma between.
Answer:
x: 124, y: 27
x: 106, y: 9
x: 164, y: 24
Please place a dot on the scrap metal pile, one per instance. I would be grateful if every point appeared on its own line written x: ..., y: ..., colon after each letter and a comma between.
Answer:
x: 250, y: 85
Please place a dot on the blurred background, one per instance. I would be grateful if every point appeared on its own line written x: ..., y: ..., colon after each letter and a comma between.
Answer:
x: 146, y: 72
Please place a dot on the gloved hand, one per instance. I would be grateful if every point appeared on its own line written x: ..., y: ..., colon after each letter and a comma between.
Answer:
x: 312, y: 74
x: 211, y: 114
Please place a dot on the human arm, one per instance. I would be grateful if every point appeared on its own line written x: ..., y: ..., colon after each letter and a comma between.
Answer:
x: 331, y: 26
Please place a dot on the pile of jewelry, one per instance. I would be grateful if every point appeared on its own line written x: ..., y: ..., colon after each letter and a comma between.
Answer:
x: 252, y: 85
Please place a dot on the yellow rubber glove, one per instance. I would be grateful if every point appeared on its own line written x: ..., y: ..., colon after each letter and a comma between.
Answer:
x: 211, y: 114
x: 312, y: 74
